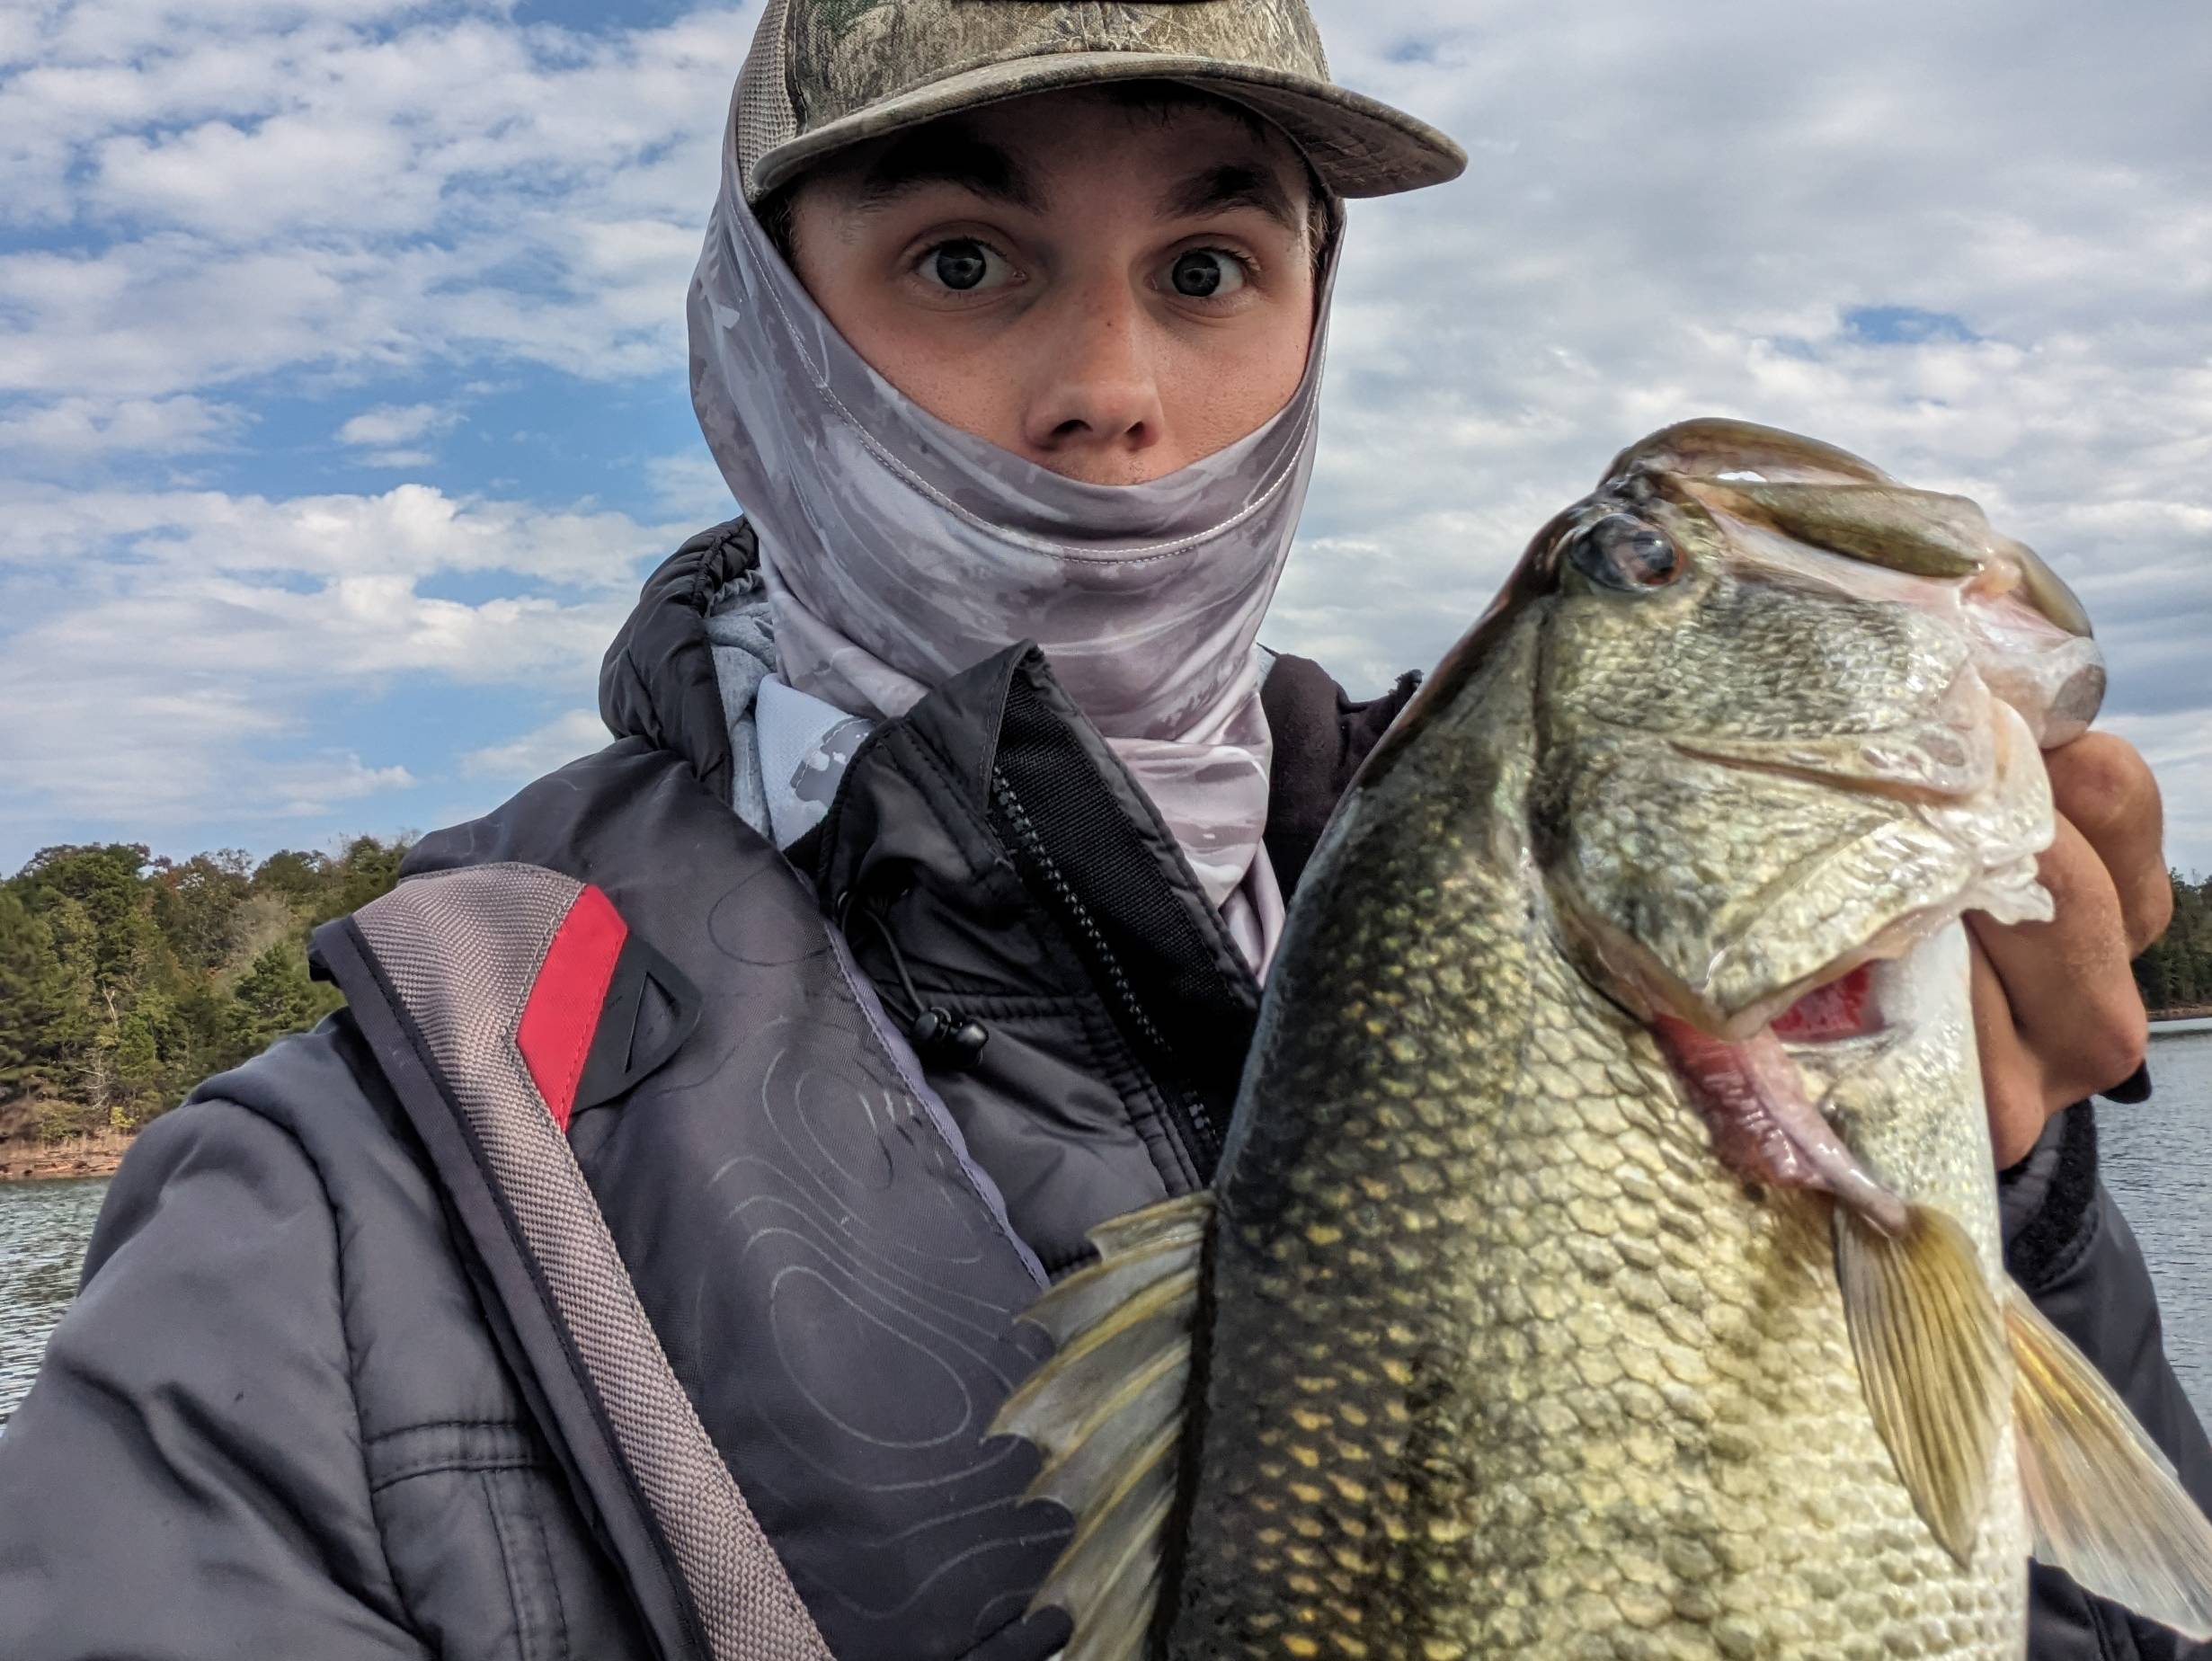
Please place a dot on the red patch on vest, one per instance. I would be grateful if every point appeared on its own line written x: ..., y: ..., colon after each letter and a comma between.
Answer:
x: 562, y: 1014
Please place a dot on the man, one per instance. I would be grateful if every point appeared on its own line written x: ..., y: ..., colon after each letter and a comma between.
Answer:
x: 631, y: 1268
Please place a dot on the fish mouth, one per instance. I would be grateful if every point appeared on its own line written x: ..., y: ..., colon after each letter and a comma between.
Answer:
x: 1810, y: 949
x: 1846, y: 1010
x: 1762, y: 1097
x: 1767, y: 1100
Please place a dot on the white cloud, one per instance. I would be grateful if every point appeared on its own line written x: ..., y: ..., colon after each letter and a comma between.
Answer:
x: 293, y: 186
x: 578, y: 733
x: 1697, y: 228
x: 80, y: 428
x: 690, y: 486
x: 409, y: 532
x: 1669, y: 211
x: 174, y: 651
x: 394, y: 424
x: 285, y: 173
x: 165, y: 313
x: 308, y: 789
x: 18, y: 37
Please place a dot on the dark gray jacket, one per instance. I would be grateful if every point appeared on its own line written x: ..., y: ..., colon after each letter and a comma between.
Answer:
x: 442, y: 1330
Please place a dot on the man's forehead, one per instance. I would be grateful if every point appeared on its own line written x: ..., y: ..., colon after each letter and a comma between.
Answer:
x: 1001, y: 159
x: 950, y: 152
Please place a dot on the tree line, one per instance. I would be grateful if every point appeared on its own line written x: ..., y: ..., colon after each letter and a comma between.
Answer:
x: 2176, y: 972
x: 126, y: 979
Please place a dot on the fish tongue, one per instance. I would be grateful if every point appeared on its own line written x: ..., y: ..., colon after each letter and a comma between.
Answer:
x: 1764, y: 1125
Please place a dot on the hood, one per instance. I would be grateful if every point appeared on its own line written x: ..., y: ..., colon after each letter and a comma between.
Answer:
x: 666, y: 682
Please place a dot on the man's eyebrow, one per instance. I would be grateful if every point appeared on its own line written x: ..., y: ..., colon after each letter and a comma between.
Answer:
x: 946, y: 154
x: 1233, y: 185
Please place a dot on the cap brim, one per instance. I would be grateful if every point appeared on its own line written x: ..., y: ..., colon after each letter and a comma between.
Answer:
x: 1358, y: 146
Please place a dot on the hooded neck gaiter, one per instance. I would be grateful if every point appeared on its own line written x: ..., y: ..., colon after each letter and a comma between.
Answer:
x: 898, y: 550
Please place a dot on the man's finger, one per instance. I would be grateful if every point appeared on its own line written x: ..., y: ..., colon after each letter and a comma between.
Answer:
x: 2011, y: 1079
x: 2068, y: 983
x: 2103, y: 785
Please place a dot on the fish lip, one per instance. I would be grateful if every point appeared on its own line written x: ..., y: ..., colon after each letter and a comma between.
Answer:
x: 1883, y: 965
x: 1767, y: 1123
x: 1892, y: 789
x: 1644, y: 993
x: 1841, y: 1057
x: 1940, y: 752
x: 1633, y: 981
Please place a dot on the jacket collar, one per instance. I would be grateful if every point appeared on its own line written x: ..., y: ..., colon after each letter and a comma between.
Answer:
x: 658, y: 680
x: 658, y: 684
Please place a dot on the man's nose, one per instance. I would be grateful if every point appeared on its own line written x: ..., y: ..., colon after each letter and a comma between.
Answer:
x: 1097, y: 404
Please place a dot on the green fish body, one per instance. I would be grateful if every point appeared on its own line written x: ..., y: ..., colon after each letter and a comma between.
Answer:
x: 1605, y: 1259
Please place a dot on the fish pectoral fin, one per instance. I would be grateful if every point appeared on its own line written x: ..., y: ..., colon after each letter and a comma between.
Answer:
x: 2103, y: 1502
x: 1108, y: 1412
x: 1930, y: 1343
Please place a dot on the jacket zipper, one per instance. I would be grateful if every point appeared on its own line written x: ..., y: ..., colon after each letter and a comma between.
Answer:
x: 1193, y: 1123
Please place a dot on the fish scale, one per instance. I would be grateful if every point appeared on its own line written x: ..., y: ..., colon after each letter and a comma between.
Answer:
x: 1603, y: 1259
x: 1635, y: 1430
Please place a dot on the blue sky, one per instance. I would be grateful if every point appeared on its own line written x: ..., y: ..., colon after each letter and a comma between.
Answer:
x: 342, y: 371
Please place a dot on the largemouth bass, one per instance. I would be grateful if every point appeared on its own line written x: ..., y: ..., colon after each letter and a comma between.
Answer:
x: 1604, y: 1257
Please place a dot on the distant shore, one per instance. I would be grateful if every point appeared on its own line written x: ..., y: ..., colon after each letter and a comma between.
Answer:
x: 94, y: 1154
x: 99, y: 1152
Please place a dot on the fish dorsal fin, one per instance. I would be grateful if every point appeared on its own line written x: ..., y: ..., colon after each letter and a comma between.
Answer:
x: 2104, y: 1501
x: 1930, y: 1343
x: 1108, y: 1412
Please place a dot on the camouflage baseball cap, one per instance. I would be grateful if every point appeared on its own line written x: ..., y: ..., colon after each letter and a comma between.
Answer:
x: 826, y: 74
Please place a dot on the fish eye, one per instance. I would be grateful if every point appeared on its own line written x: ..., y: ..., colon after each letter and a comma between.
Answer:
x: 1617, y: 551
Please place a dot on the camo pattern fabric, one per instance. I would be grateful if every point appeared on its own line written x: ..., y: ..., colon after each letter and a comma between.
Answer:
x: 826, y: 74
x: 845, y: 55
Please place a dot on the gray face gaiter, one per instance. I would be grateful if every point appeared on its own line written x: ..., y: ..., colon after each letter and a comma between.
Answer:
x: 898, y: 550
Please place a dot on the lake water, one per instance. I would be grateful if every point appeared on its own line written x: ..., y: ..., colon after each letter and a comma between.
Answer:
x: 2157, y: 1158
x: 44, y: 1228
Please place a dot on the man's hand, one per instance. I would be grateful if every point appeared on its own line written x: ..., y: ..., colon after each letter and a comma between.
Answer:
x: 2056, y: 1010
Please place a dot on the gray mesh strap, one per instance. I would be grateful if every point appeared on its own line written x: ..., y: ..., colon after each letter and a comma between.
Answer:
x: 765, y: 115
x: 460, y: 951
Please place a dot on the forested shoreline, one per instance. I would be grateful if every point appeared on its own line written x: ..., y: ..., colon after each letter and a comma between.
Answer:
x: 126, y: 978
x: 2176, y: 974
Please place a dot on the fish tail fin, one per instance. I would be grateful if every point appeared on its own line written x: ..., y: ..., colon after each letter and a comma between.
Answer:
x: 1108, y: 1412
x: 1929, y: 1344
x: 2103, y: 1502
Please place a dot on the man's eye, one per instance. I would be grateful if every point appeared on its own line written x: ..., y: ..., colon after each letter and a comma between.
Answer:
x: 963, y: 265
x: 1206, y: 273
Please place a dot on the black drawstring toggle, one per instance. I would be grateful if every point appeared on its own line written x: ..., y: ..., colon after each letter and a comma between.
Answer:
x: 957, y: 1041
x: 942, y: 1037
